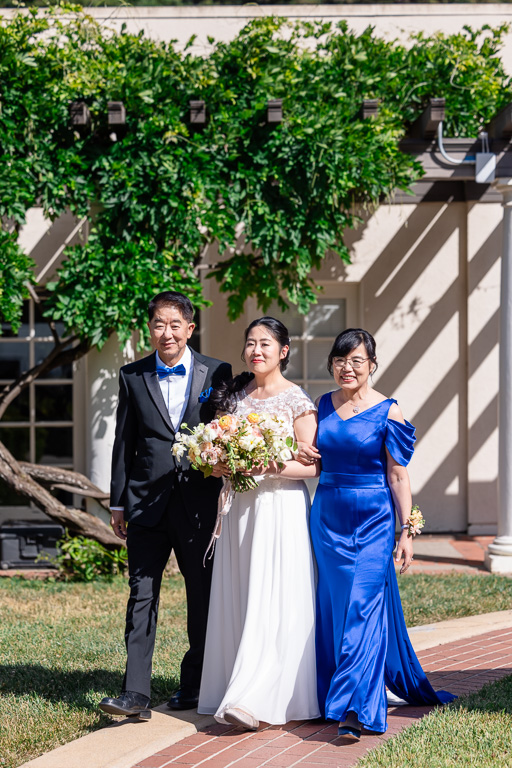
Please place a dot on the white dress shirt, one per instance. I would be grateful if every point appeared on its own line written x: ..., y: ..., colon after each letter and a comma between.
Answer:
x: 176, y: 389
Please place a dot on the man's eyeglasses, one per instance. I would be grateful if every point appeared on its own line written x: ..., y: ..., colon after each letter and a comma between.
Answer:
x: 354, y: 362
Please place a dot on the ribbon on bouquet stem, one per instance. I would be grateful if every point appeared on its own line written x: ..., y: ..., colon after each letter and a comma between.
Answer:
x: 224, y: 504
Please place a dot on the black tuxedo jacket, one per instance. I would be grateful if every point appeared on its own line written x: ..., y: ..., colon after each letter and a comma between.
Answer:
x: 144, y: 471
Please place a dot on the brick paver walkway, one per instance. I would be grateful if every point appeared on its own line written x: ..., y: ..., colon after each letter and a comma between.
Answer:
x: 460, y: 667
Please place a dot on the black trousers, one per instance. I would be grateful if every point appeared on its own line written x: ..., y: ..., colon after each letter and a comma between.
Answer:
x: 148, y: 552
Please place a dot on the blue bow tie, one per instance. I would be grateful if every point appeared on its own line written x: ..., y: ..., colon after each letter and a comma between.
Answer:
x: 163, y: 371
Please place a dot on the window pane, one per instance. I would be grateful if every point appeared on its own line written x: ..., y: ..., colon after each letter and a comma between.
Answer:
x: 41, y: 325
x: 291, y: 318
x: 63, y: 496
x: 18, y: 410
x: 42, y: 349
x: 327, y: 318
x: 318, y: 352
x: 17, y: 441
x: 14, y: 359
x: 54, y: 445
x: 24, y: 327
x: 54, y: 403
x: 8, y: 498
x: 294, y: 369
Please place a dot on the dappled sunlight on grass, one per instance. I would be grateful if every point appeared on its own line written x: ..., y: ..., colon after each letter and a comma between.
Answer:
x: 473, y: 732
x: 62, y: 650
x: 428, y: 598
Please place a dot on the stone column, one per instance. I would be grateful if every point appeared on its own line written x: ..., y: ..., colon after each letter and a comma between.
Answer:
x: 499, y: 557
x: 102, y: 391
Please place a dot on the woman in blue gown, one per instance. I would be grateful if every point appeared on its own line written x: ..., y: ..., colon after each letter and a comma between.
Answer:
x: 361, y: 638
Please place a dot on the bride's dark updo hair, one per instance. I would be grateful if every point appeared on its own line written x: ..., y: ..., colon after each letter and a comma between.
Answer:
x: 224, y: 397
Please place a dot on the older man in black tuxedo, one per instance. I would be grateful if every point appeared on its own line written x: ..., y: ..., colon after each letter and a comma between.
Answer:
x: 166, y: 505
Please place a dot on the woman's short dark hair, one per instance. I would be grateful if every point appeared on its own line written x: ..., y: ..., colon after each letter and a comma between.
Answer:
x: 224, y: 397
x: 348, y: 340
x: 172, y: 299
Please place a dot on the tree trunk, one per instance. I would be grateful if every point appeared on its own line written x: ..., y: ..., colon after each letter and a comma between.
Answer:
x: 65, y: 480
x: 78, y: 521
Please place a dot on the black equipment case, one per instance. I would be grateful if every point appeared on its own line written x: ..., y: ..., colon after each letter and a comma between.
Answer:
x: 23, y: 541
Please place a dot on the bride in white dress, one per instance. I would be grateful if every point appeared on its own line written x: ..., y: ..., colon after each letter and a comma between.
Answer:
x: 259, y: 659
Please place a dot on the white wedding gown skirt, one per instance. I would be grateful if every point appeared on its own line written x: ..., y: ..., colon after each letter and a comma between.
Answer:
x: 260, y: 643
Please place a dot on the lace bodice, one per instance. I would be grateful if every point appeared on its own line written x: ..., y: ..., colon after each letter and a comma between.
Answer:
x: 288, y: 405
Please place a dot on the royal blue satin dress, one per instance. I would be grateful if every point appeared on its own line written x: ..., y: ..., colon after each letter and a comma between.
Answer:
x: 361, y: 638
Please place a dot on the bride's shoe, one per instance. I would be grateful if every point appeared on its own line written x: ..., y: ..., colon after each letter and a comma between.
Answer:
x: 239, y: 717
x: 350, y: 727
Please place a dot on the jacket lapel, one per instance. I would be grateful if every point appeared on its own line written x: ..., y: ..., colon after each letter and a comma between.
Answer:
x: 198, y: 378
x: 153, y: 386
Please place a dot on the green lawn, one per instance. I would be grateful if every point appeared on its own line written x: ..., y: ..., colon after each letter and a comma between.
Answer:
x: 427, y: 598
x: 473, y: 732
x: 62, y: 648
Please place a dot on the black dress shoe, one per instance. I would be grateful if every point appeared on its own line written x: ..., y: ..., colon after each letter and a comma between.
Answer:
x: 129, y: 704
x: 184, y: 698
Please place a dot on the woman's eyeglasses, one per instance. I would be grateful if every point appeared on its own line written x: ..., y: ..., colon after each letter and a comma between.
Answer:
x: 354, y: 362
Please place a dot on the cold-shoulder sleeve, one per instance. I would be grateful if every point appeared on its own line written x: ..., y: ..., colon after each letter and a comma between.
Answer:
x: 400, y: 439
x: 300, y: 403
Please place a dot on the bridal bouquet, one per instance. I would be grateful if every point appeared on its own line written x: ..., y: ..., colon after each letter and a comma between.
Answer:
x: 240, y: 442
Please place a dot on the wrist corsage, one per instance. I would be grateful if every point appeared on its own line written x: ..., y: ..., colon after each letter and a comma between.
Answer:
x: 414, y: 522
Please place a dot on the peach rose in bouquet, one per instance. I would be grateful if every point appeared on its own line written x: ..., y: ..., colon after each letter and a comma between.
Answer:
x: 243, y: 443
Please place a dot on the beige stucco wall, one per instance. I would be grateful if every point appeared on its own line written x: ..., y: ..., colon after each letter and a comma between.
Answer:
x: 424, y: 280
x: 392, y: 21
x: 484, y: 261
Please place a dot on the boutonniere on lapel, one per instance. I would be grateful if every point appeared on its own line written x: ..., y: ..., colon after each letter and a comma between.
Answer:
x: 203, y: 397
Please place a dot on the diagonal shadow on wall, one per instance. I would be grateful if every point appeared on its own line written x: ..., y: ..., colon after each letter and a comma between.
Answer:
x: 398, y: 267
x: 51, y: 241
x: 444, y: 476
x: 405, y: 271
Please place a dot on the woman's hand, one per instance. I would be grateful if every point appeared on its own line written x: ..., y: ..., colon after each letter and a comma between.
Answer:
x: 404, y: 549
x: 258, y: 469
x: 307, y: 454
x: 221, y: 470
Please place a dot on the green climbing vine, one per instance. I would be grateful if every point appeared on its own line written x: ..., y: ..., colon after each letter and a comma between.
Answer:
x: 275, y: 199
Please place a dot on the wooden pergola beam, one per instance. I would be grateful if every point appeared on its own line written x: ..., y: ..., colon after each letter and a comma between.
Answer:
x: 425, y: 127
x: 369, y: 109
x: 197, y: 113
x: 500, y: 126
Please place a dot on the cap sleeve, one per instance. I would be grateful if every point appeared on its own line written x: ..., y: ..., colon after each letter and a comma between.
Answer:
x: 301, y: 403
x: 400, y: 439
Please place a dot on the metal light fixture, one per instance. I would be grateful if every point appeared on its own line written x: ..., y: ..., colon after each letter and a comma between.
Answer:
x: 274, y: 111
x: 369, y: 109
x: 79, y: 115
x: 197, y: 116
x: 116, y: 119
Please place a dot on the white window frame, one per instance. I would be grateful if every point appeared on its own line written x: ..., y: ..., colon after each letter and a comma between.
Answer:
x: 32, y: 423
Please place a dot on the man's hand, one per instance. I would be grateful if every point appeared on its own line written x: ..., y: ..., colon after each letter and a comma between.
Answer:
x: 117, y: 523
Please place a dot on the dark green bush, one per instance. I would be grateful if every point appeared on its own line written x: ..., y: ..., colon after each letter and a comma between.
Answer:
x: 82, y: 559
